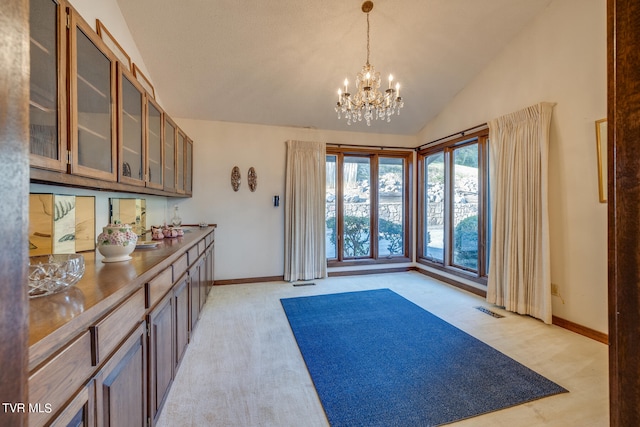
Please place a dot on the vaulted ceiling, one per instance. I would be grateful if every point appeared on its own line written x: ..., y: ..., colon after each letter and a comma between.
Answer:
x: 281, y: 62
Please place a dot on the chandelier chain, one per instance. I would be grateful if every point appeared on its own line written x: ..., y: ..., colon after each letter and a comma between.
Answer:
x: 368, y: 50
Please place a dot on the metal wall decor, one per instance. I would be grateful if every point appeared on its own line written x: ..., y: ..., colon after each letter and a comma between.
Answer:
x: 235, y: 178
x: 252, y: 179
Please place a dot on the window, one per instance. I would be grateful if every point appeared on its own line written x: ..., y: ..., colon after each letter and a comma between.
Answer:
x: 367, y: 206
x: 453, y: 198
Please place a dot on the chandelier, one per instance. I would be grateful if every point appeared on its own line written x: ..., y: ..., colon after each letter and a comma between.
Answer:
x: 368, y: 102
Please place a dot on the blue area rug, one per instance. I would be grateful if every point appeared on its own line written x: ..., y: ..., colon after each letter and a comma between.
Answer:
x: 377, y: 359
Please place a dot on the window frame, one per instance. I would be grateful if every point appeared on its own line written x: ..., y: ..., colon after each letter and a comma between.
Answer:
x: 374, y: 155
x: 447, y: 147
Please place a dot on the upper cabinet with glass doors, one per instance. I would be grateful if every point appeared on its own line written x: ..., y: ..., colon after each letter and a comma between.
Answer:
x: 181, y: 144
x: 90, y: 120
x: 169, y: 154
x: 154, y: 144
x: 188, y: 172
x: 47, y: 103
x: 92, y: 102
x: 131, y: 128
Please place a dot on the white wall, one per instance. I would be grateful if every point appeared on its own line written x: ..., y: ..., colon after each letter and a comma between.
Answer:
x: 250, y: 234
x: 560, y: 57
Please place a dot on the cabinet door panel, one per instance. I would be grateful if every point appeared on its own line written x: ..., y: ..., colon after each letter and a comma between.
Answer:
x: 169, y: 154
x: 188, y: 180
x: 93, y: 138
x: 130, y: 131
x: 194, y: 293
x: 154, y: 145
x: 181, y: 143
x: 161, y: 350
x: 122, y: 384
x: 181, y: 298
x: 47, y: 105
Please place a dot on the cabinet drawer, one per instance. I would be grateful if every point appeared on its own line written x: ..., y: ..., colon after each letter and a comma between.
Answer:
x: 159, y: 286
x: 53, y: 384
x: 180, y: 266
x: 209, y: 239
x: 111, y: 330
x: 192, y: 254
x: 201, y: 246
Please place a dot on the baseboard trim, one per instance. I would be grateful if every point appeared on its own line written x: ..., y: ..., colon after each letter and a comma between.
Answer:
x: 581, y: 330
x: 249, y: 280
x: 370, y: 271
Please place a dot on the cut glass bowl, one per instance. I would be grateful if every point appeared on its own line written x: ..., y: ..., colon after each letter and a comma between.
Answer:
x: 50, y: 274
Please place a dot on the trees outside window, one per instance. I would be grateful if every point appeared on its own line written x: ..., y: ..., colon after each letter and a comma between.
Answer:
x: 367, y: 206
x: 453, y: 199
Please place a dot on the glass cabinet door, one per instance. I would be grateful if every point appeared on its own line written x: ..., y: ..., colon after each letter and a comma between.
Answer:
x: 130, y: 138
x: 154, y: 144
x: 188, y: 173
x: 180, y: 147
x: 169, y: 154
x: 93, y: 136
x: 47, y: 118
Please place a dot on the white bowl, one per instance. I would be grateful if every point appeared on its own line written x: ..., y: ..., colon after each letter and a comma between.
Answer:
x: 116, y: 253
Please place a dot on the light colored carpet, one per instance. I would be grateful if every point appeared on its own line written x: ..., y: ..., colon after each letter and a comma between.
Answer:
x: 243, y: 367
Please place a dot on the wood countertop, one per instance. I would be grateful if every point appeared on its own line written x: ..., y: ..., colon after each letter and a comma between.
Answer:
x: 56, y: 319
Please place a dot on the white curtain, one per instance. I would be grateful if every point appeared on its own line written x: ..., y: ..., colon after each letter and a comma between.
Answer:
x: 519, y: 263
x: 304, y: 219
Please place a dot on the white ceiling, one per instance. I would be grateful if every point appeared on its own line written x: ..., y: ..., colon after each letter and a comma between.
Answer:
x: 281, y: 62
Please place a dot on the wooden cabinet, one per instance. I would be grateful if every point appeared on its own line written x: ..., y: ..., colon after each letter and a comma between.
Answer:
x: 121, y: 385
x: 209, y: 267
x: 182, y: 320
x: 57, y: 381
x: 181, y: 146
x: 47, y: 97
x: 131, y: 128
x: 80, y: 412
x: 92, y: 84
x: 161, y: 353
x: 194, y: 293
x: 188, y: 171
x: 153, y: 135
x: 115, y: 364
x: 169, y: 154
x: 91, y: 124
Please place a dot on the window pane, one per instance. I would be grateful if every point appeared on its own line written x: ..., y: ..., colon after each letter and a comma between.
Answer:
x: 434, y: 208
x: 357, y: 211
x: 330, y: 208
x: 465, y: 207
x: 390, y: 207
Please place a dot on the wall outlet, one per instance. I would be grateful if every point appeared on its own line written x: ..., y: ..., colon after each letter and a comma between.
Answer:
x: 554, y: 290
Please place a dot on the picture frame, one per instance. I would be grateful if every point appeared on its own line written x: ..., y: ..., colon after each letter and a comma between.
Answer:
x: 601, y: 148
x: 144, y: 81
x: 113, y: 44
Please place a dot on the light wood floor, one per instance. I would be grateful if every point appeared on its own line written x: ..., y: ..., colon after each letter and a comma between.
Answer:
x: 243, y: 367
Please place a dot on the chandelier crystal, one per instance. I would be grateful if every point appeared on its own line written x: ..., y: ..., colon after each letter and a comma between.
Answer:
x: 368, y: 102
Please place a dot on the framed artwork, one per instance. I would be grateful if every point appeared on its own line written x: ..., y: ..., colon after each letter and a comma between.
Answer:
x: 113, y: 44
x: 601, y: 147
x: 144, y: 81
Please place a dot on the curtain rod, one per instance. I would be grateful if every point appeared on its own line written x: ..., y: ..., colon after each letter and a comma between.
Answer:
x: 461, y: 133
x: 378, y: 147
